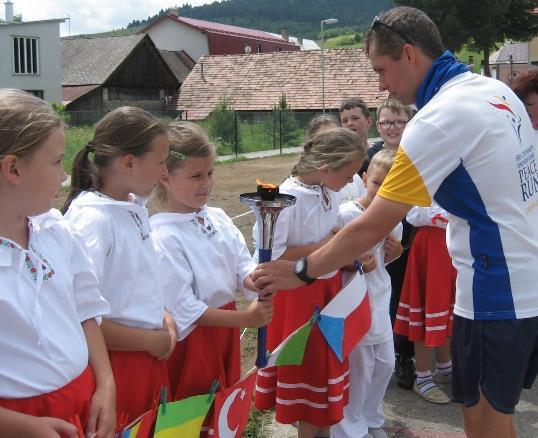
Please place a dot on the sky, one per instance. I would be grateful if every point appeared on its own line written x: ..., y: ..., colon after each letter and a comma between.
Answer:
x: 92, y: 16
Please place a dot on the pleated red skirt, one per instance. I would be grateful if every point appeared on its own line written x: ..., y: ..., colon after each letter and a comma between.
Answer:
x: 64, y: 403
x: 139, y: 378
x: 428, y: 292
x: 317, y: 390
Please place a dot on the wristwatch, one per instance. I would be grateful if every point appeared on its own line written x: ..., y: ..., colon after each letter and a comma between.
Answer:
x: 300, y: 270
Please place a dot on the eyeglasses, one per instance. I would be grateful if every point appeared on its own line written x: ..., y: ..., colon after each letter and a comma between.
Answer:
x: 386, y: 124
x: 376, y: 22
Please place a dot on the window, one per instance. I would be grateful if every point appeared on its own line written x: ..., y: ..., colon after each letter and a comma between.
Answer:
x: 259, y: 48
x: 36, y: 93
x: 25, y: 56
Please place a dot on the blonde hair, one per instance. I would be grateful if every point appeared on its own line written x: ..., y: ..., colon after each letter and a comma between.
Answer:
x: 395, y: 106
x: 334, y: 148
x: 318, y: 122
x: 124, y: 131
x: 383, y: 160
x: 25, y: 122
x: 186, y: 140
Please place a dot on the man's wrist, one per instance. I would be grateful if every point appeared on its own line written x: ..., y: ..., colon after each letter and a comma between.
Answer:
x: 301, y: 270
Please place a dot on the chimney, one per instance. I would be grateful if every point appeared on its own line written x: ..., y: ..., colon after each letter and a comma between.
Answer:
x: 300, y: 41
x: 9, y: 11
x: 285, y: 34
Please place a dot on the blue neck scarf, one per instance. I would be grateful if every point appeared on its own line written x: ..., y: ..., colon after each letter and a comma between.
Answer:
x: 441, y: 71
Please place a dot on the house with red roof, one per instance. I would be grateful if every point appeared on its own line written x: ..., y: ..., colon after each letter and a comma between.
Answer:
x: 198, y: 38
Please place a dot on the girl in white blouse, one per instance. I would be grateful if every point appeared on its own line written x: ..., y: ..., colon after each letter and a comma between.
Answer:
x: 54, y: 364
x: 202, y: 260
x: 124, y: 160
x: 314, y: 393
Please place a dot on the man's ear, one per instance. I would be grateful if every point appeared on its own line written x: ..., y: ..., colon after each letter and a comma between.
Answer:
x: 9, y: 168
x: 127, y: 163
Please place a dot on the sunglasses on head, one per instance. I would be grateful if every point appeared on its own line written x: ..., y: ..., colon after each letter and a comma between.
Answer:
x: 376, y: 22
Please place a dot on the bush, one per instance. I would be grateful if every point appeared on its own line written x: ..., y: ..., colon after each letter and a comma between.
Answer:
x: 61, y: 110
x: 222, y: 125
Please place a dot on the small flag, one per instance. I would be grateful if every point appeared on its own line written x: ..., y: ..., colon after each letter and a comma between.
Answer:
x: 346, y: 319
x: 291, y: 350
x: 142, y: 427
x: 232, y: 408
x: 183, y: 418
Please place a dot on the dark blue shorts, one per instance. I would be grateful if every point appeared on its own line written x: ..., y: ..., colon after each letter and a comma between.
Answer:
x: 499, y: 357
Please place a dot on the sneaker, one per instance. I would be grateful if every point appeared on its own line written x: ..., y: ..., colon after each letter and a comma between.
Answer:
x: 442, y: 379
x: 404, y: 372
x: 434, y: 394
x: 377, y: 432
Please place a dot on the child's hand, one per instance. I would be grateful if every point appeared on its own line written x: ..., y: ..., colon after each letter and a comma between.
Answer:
x: 393, y: 248
x: 159, y: 343
x: 332, y: 233
x: 47, y: 427
x: 259, y: 313
x: 367, y: 262
x: 169, y: 325
x: 102, y: 420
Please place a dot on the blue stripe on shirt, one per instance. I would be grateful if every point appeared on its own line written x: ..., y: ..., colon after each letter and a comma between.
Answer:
x: 492, y: 292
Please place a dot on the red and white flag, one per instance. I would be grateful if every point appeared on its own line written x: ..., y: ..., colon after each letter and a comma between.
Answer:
x: 232, y: 408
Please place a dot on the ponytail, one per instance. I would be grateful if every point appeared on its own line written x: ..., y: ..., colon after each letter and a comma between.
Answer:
x: 82, y: 175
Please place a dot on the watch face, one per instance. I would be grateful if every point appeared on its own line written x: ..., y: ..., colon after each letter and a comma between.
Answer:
x: 299, y: 266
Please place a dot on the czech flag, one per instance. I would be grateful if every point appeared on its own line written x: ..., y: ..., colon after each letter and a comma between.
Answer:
x: 346, y: 319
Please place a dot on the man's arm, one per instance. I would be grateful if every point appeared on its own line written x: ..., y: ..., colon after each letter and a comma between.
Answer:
x: 354, y: 239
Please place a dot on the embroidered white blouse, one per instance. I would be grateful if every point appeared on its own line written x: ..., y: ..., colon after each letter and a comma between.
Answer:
x: 202, y: 260
x: 118, y: 238
x: 47, y: 291
x: 309, y: 221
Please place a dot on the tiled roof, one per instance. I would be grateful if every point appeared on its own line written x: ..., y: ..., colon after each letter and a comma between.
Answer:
x: 71, y: 93
x: 519, y: 52
x: 209, y: 26
x: 88, y: 61
x: 180, y: 63
x: 255, y: 82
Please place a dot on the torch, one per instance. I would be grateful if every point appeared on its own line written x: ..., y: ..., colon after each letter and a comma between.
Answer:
x: 267, y: 203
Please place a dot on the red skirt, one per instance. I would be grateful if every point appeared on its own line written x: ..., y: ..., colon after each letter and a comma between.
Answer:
x: 206, y: 354
x: 64, y: 403
x: 428, y: 292
x: 317, y: 390
x: 139, y: 378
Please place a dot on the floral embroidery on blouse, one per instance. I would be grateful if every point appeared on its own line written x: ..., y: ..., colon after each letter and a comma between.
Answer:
x: 204, y: 226
x: 46, y: 267
x: 143, y: 234
x: 325, y: 197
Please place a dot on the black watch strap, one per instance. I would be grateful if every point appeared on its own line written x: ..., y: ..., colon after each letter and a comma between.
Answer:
x: 302, y: 272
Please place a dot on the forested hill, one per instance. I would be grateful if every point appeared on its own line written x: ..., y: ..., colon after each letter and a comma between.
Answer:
x: 299, y: 17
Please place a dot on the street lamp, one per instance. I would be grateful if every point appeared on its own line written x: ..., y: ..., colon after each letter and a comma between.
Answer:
x: 323, y: 22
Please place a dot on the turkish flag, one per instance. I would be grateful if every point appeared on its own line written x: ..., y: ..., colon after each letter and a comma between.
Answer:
x: 232, y: 407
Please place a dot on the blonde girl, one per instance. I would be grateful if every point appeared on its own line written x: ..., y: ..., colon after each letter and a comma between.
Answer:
x: 54, y: 361
x: 315, y: 393
x: 124, y: 161
x: 202, y: 260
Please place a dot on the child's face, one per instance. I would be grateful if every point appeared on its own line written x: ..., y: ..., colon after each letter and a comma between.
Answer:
x: 149, y: 167
x: 190, y: 185
x: 41, y: 174
x: 372, y: 181
x: 391, y: 135
x: 355, y: 120
x: 336, y: 179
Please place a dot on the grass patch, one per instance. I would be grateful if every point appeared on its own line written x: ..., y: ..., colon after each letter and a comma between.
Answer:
x: 257, y: 422
x: 342, y: 41
x: 463, y: 56
x: 76, y: 138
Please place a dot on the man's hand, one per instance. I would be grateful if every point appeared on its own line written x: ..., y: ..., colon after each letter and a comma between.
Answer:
x: 276, y: 275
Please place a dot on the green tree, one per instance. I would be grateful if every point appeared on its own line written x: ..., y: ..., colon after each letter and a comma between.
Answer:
x: 286, y: 121
x: 222, y: 126
x: 481, y: 24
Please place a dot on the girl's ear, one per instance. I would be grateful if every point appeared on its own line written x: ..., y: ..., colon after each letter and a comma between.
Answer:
x: 324, y: 170
x: 127, y: 163
x: 9, y: 168
x: 165, y: 180
x: 364, y: 178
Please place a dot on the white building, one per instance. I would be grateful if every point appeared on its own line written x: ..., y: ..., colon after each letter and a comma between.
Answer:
x: 30, y: 56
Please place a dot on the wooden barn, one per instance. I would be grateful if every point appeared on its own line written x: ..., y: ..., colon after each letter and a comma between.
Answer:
x: 100, y: 74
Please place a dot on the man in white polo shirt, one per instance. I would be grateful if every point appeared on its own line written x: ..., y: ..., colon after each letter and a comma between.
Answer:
x: 472, y: 148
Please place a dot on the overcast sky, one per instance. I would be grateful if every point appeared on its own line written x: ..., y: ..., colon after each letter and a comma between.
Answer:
x: 91, y: 16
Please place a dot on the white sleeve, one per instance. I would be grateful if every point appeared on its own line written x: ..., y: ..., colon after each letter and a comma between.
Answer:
x: 177, y: 281
x: 88, y: 299
x: 433, y: 216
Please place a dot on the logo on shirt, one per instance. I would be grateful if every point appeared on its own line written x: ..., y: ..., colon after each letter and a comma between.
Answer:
x: 503, y: 105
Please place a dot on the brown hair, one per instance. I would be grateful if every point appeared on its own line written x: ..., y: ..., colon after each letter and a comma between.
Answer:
x: 395, y: 106
x: 25, y: 122
x: 124, y: 131
x: 319, y: 122
x: 355, y: 102
x: 334, y: 148
x: 412, y: 23
x: 186, y: 140
x: 526, y: 84
x: 383, y: 160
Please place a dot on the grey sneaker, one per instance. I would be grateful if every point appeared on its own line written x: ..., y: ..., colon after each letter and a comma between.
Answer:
x: 377, y: 432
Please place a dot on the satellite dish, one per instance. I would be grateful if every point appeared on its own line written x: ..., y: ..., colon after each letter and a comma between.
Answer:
x: 248, y: 49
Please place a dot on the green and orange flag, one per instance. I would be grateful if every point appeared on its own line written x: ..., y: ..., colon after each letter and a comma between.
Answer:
x: 183, y: 418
